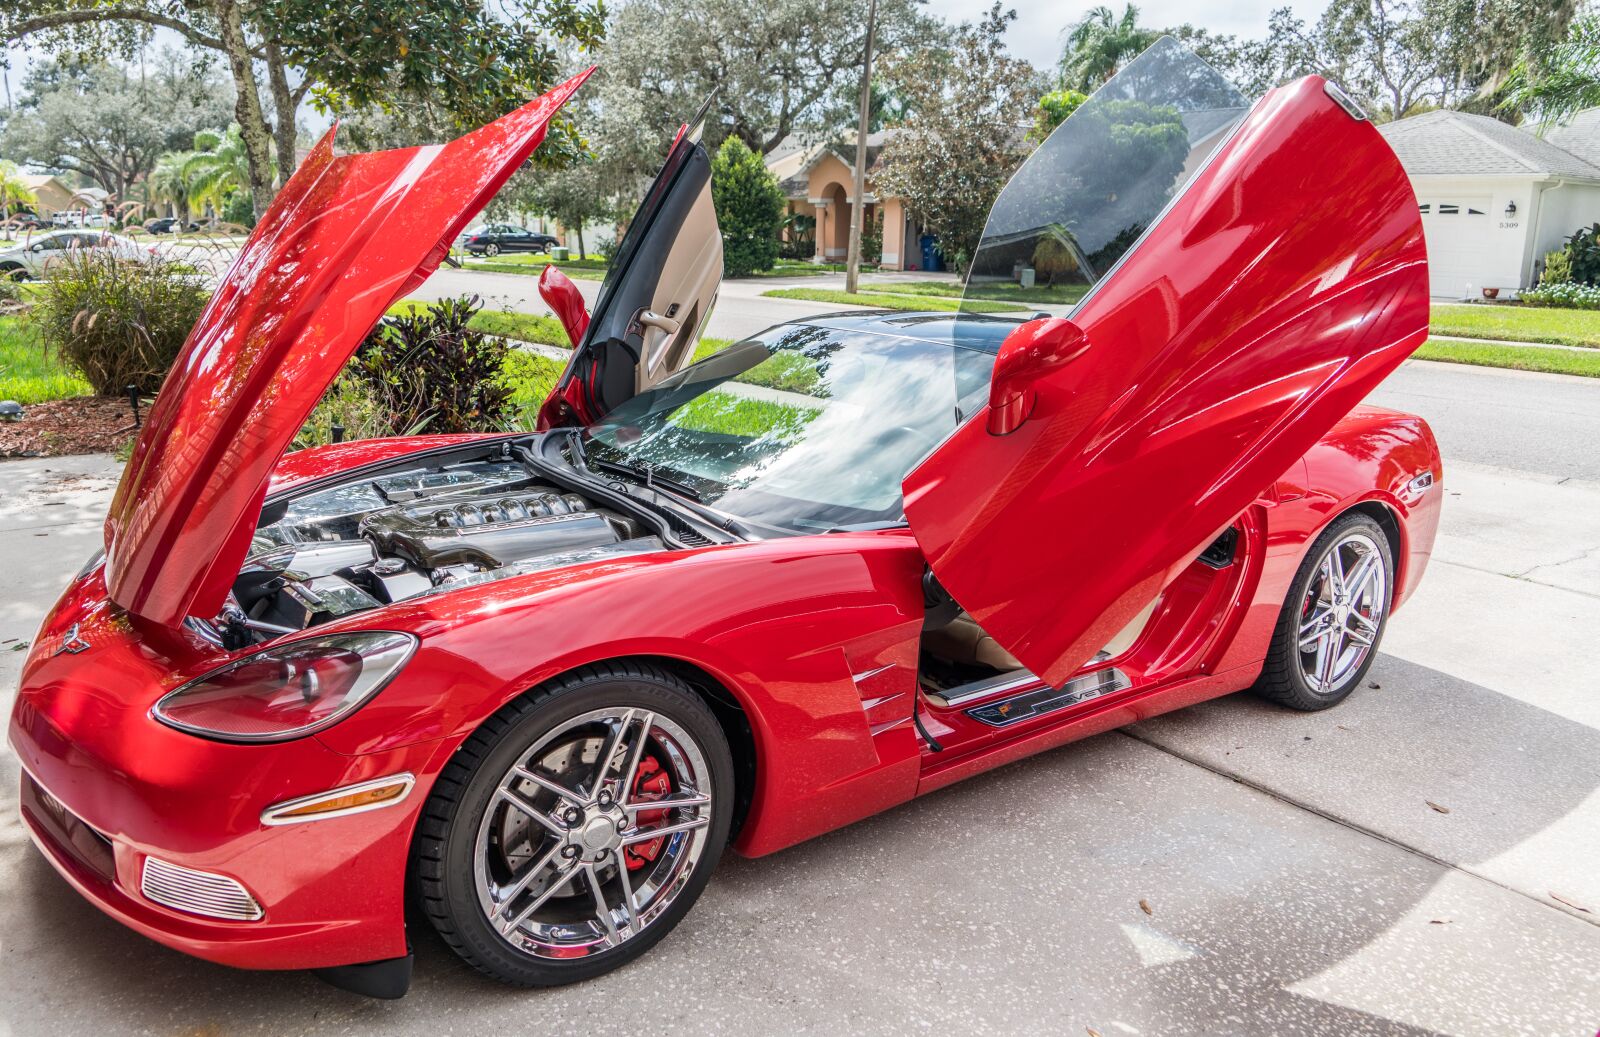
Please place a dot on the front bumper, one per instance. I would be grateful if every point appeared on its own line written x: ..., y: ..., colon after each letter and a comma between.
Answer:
x: 105, y: 787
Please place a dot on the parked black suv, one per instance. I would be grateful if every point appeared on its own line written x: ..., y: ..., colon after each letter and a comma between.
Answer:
x: 491, y: 241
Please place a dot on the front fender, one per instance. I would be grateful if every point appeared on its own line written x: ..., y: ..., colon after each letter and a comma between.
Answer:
x: 782, y: 625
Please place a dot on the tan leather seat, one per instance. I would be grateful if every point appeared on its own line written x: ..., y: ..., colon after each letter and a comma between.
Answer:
x: 964, y: 641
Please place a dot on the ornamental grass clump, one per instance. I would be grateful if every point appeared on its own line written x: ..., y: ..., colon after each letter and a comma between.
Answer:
x: 118, y: 322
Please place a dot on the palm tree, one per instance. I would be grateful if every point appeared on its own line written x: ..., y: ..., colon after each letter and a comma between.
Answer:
x: 1565, y: 81
x: 167, y: 183
x: 1099, y: 44
x: 217, y: 168
x: 14, y: 191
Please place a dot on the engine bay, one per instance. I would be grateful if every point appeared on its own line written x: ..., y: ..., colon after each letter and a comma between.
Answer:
x: 420, y: 527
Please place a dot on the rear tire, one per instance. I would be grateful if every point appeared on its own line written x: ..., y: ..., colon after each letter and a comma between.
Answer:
x: 1333, y: 618
x: 533, y: 861
x: 491, y: 250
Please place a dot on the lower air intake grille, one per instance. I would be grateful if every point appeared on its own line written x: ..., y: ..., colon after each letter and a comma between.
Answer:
x: 197, y: 892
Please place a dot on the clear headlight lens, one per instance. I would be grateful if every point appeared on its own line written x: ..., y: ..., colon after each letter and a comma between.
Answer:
x: 287, y: 691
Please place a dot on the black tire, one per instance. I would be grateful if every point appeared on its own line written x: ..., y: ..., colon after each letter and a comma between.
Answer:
x: 443, y: 854
x: 1283, y: 679
x: 15, y: 273
x: 491, y: 250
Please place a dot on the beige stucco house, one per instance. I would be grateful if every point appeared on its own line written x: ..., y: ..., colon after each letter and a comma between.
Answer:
x: 51, y: 194
x: 817, y: 181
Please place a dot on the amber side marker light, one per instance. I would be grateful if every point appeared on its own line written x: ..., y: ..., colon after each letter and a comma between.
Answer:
x: 341, y: 802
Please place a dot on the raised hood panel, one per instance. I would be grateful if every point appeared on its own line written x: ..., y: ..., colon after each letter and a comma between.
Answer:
x: 346, y: 237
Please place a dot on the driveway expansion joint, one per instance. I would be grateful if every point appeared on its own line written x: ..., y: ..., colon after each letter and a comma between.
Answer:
x: 1355, y: 826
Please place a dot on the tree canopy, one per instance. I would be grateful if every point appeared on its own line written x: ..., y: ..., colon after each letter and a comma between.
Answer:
x: 1399, y: 57
x: 476, y: 60
x: 1563, y: 80
x: 777, y: 67
x: 969, y: 106
x: 108, y: 123
x: 1100, y: 43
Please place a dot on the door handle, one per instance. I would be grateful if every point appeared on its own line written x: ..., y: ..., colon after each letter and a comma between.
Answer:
x: 652, y: 319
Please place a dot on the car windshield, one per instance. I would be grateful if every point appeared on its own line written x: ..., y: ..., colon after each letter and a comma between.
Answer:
x: 1091, y: 190
x: 801, y: 428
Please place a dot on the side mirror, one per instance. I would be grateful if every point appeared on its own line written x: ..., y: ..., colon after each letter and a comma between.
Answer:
x: 1028, y: 354
x: 562, y: 296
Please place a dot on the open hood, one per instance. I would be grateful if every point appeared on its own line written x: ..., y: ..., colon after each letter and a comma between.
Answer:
x: 346, y: 237
x: 1249, y: 279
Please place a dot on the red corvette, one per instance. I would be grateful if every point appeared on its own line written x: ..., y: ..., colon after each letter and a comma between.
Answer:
x: 542, y: 681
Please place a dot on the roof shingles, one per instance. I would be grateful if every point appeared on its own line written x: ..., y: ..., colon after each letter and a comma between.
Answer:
x: 1445, y: 143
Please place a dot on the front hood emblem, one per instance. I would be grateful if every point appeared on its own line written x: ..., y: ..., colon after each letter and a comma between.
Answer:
x: 72, y: 644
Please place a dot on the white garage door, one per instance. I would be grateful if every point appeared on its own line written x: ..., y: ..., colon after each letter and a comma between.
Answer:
x: 1457, y: 231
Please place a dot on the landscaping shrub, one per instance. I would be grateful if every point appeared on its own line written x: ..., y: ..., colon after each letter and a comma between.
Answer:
x: 347, y: 405
x: 1567, y: 294
x: 749, y: 206
x: 1583, y: 252
x: 120, y: 323
x: 1557, y: 268
x: 872, y: 239
x: 430, y: 370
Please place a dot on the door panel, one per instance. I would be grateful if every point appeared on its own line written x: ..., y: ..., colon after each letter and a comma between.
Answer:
x: 655, y: 300
x: 1272, y: 295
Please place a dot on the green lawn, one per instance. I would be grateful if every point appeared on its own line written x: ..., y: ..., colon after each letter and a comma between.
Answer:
x: 589, y: 268
x: 1043, y: 294
x: 28, y: 374
x: 800, y: 268
x: 1520, y: 358
x: 1518, y: 323
x: 891, y: 301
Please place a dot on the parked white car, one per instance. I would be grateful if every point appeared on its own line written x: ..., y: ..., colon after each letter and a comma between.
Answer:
x: 34, y: 257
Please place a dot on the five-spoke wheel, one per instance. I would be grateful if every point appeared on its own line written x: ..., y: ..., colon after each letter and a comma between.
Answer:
x: 580, y: 825
x: 1333, y: 617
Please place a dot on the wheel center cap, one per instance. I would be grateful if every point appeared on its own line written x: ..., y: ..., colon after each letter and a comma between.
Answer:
x: 598, y: 833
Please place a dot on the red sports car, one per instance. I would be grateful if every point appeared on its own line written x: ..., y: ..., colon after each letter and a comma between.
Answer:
x: 541, y: 681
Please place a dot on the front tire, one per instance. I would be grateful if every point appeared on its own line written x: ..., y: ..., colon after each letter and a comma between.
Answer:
x: 1333, y: 619
x: 535, y: 858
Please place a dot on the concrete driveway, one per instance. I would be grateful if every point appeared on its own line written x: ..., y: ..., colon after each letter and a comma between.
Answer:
x: 1296, y: 876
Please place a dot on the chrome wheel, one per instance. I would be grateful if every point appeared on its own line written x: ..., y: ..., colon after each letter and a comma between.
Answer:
x: 593, y: 833
x: 1342, y: 612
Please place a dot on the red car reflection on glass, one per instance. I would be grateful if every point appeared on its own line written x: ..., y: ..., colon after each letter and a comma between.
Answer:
x: 740, y: 602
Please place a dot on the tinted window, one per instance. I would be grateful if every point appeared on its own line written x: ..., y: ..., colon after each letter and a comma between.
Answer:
x: 1098, y: 182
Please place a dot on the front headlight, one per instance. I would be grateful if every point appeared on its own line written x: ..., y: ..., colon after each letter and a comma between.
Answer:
x: 287, y: 691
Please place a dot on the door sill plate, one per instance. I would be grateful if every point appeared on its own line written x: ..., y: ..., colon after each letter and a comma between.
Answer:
x: 1040, y: 701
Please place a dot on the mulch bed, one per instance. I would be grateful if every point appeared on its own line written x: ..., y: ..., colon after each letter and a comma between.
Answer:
x: 84, y: 425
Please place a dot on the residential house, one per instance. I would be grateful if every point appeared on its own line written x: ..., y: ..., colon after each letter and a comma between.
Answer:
x: 818, y: 181
x: 1496, y: 198
x: 52, y: 195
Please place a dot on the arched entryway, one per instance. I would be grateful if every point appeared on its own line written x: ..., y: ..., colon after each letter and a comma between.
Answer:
x: 833, y: 224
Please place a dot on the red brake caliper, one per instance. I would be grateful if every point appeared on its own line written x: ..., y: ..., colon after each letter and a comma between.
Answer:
x: 650, y: 782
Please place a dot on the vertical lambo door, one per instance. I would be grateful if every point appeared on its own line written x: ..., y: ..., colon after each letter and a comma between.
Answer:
x: 655, y: 299
x: 1246, y: 278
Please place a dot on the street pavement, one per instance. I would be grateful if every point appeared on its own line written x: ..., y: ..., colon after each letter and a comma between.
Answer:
x: 1297, y: 877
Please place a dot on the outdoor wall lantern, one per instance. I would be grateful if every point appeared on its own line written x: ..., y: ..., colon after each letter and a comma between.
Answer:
x: 1511, y: 209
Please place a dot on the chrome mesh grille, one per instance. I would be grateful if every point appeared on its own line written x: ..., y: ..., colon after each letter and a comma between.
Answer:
x: 197, y: 892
